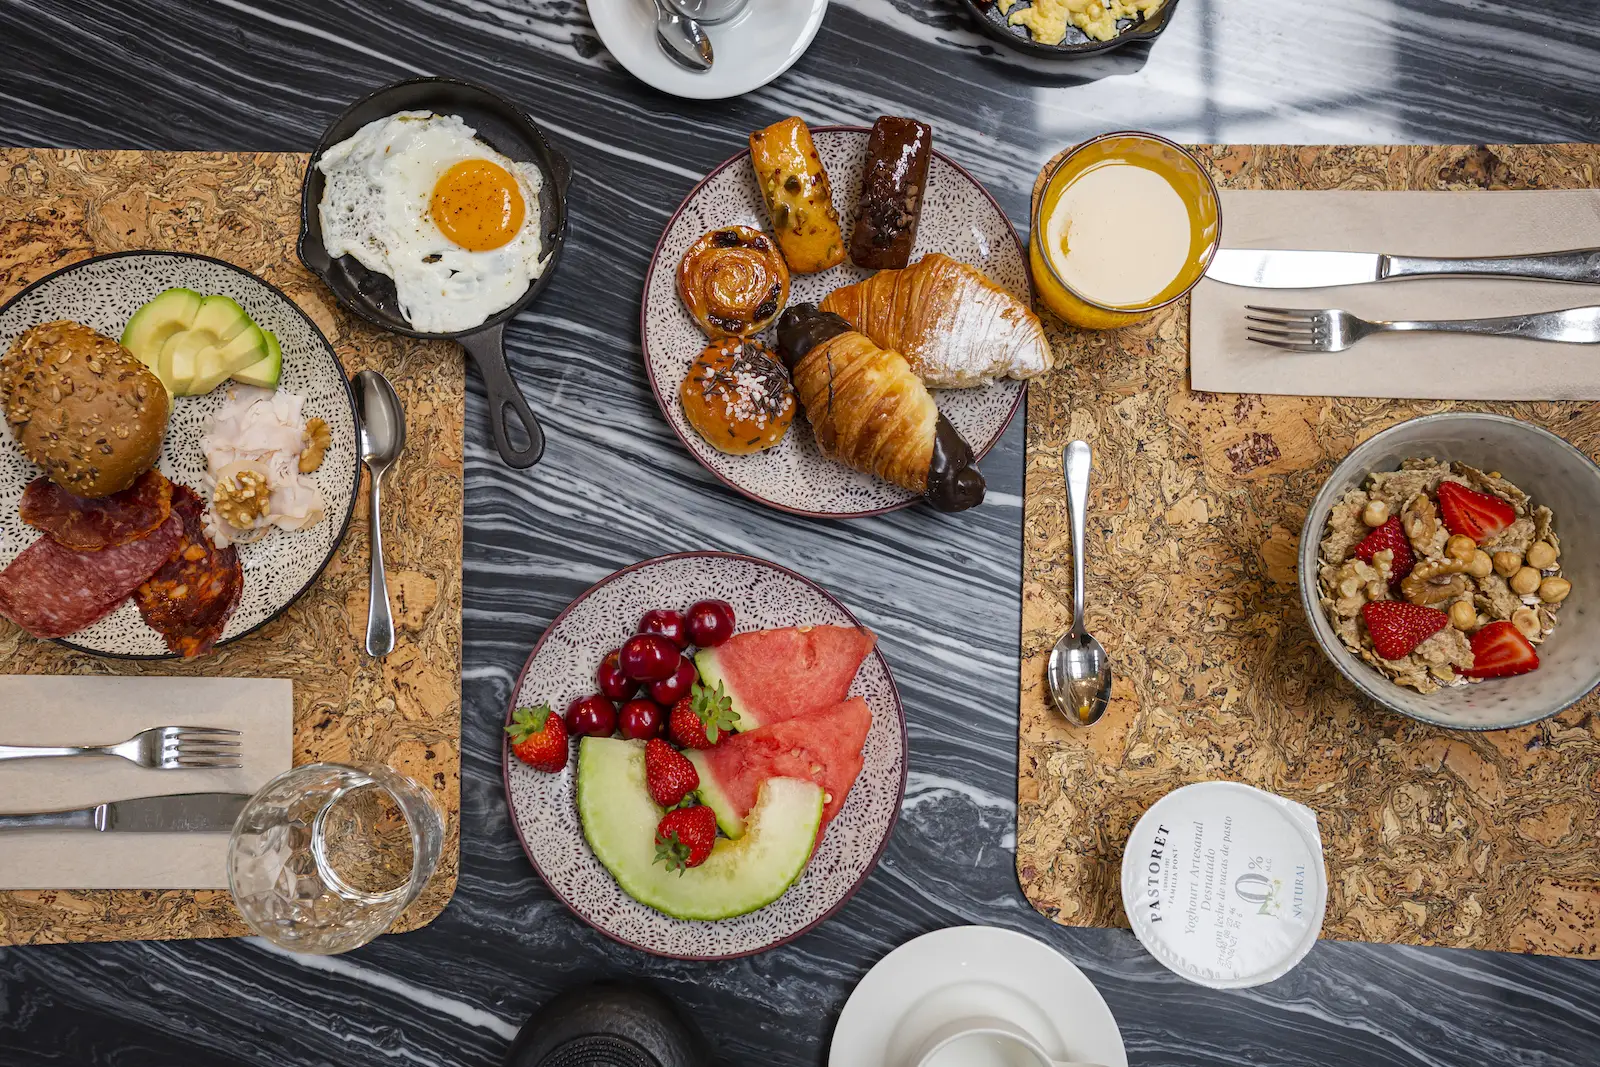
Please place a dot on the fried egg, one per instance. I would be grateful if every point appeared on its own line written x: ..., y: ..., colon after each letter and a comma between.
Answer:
x: 418, y: 197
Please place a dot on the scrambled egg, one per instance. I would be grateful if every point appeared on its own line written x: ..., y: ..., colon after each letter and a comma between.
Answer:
x: 1047, y: 19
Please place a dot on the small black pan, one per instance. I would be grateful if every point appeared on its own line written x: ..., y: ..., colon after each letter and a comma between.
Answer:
x: 1077, y: 44
x: 505, y: 128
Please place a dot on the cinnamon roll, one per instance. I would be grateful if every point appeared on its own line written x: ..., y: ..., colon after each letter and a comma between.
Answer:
x: 738, y: 397
x: 734, y: 281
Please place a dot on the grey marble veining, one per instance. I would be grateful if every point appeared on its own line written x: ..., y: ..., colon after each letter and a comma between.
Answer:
x: 616, y: 487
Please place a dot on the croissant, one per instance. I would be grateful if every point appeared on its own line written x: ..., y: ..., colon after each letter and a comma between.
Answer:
x: 955, y: 327
x: 870, y: 412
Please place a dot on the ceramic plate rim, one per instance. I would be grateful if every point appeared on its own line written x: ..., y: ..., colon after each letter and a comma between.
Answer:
x: 349, y: 395
x: 1018, y: 940
x: 662, y: 403
x: 883, y: 844
x: 808, y: 33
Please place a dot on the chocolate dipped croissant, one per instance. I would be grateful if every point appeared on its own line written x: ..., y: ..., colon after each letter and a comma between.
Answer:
x: 955, y: 327
x: 733, y: 281
x: 870, y: 412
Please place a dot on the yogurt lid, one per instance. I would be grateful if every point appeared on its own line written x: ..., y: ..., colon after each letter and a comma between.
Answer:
x: 1225, y: 884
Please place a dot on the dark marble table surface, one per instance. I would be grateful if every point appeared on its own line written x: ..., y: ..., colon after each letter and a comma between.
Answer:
x: 616, y: 487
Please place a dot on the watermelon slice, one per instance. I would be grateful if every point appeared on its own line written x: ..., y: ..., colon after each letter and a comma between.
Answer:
x: 773, y: 675
x: 823, y: 747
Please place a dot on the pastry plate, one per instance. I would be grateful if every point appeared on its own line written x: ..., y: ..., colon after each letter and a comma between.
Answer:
x: 562, y: 667
x: 959, y: 218
x: 103, y: 293
x: 751, y: 49
x: 971, y: 971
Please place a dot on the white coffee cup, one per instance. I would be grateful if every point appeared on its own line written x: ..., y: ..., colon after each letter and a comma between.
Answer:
x: 984, y: 1041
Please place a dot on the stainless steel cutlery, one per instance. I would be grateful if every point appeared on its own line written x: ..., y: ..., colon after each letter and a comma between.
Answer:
x: 182, y: 813
x: 1333, y: 330
x: 1283, y: 268
x: 162, y: 748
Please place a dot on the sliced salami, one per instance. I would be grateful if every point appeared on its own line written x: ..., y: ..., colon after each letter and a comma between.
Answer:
x: 189, y: 599
x: 94, y: 523
x: 51, y: 590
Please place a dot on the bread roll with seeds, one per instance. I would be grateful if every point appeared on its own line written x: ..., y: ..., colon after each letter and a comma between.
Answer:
x: 82, y: 407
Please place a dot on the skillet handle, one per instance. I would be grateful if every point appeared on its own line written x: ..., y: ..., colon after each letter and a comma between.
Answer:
x: 488, y: 351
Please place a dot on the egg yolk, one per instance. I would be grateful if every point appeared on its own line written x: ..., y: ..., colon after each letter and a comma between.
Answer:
x: 477, y: 205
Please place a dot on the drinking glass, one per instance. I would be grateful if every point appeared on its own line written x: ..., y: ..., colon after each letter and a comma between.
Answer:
x: 325, y: 857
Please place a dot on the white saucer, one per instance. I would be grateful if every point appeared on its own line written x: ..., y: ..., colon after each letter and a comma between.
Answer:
x: 761, y: 43
x: 974, y: 970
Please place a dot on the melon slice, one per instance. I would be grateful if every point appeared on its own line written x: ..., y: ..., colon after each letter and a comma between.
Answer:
x: 773, y: 675
x: 823, y: 747
x: 619, y: 820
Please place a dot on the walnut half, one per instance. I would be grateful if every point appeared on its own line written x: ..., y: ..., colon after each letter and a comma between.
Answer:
x: 318, y: 438
x: 240, y: 499
x: 1436, y: 581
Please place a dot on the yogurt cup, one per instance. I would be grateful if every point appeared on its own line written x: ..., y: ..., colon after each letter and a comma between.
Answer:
x: 1225, y: 884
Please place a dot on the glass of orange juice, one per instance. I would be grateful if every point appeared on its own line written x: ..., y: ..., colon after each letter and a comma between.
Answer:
x: 1127, y: 223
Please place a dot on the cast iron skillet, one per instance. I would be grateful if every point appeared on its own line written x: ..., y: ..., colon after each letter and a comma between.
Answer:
x: 504, y: 127
x: 1077, y: 43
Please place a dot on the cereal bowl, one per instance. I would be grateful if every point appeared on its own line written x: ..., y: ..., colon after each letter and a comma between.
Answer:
x: 1553, y: 473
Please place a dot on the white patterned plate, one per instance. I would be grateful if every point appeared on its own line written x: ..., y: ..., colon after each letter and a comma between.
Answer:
x: 103, y: 293
x: 562, y: 667
x: 959, y: 218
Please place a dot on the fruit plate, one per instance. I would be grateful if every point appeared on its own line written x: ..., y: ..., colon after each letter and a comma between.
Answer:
x: 103, y: 293
x: 959, y: 218
x: 562, y: 667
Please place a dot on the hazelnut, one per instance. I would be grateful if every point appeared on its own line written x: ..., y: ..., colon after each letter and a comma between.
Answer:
x: 1542, y: 555
x: 1375, y: 514
x: 1462, y: 615
x: 1554, y: 590
x: 1507, y: 562
x: 1460, y: 547
x: 1526, y: 620
x: 1525, y: 582
x: 1480, y: 565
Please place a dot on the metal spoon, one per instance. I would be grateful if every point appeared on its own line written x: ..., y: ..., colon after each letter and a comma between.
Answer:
x: 1079, y: 672
x: 383, y: 435
x: 682, y: 39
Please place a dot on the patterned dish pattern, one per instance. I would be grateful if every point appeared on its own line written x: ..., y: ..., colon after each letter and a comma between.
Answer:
x: 959, y: 218
x: 103, y: 293
x: 562, y: 667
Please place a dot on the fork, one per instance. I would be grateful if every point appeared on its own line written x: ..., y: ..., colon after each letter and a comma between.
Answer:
x: 161, y: 748
x: 1332, y: 330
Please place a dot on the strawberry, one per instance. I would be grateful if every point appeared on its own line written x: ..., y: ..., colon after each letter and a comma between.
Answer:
x: 1398, y: 627
x: 685, y: 837
x: 1473, y: 514
x: 1499, y: 651
x: 700, y: 719
x: 1392, y: 537
x: 539, y: 738
x: 668, y: 773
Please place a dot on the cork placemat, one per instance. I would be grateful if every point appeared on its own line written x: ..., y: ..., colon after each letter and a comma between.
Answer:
x: 1433, y: 837
x: 61, y: 206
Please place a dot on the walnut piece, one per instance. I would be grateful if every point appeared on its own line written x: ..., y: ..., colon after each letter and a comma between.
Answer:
x: 318, y: 438
x: 1436, y: 581
x: 241, y: 499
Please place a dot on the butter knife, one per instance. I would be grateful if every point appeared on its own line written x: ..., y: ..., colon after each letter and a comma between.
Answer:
x: 183, y: 813
x: 1273, y: 268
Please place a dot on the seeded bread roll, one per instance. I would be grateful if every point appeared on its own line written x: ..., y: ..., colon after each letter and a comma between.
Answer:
x: 82, y: 407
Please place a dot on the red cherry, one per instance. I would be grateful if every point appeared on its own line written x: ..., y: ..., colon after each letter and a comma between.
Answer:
x: 669, y: 691
x: 591, y: 716
x: 666, y: 623
x: 710, y: 622
x: 640, y: 720
x: 649, y: 658
x: 613, y: 682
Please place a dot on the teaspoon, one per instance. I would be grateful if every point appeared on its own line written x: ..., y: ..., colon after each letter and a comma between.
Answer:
x: 682, y: 39
x: 382, y: 436
x: 1078, y: 672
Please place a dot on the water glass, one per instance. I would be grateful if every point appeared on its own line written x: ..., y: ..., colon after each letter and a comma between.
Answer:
x: 325, y: 857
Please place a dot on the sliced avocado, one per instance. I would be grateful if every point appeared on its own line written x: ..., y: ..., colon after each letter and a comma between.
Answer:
x: 215, y: 364
x: 180, y: 359
x: 222, y: 316
x: 268, y: 370
x: 156, y: 321
x: 619, y: 821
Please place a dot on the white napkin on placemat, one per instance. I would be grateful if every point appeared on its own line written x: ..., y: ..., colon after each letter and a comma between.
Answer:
x: 75, y: 710
x: 1417, y: 366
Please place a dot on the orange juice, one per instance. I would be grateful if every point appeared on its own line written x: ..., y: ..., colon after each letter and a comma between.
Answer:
x: 1127, y: 223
